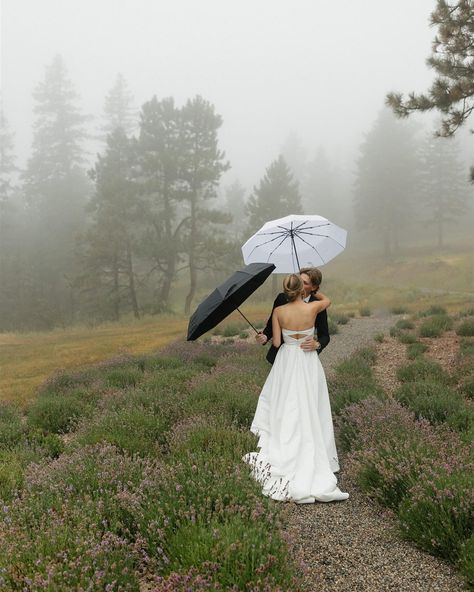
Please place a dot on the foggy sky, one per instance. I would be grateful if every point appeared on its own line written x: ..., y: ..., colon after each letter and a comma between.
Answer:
x: 320, y: 69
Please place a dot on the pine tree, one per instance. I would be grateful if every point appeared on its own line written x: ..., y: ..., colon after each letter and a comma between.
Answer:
x: 9, y: 230
x: 276, y: 196
x: 235, y: 205
x: 160, y: 156
x: 385, y: 187
x: 452, y: 92
x: 320, y: 195
x: 110, y: 244
x: 296, y: 156
x: 56, y: 189
x: 118, y: 108
x: 443, y: 188
x: 202, y: 166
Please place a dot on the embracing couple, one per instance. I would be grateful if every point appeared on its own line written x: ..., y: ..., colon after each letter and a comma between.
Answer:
x: 297, y: 457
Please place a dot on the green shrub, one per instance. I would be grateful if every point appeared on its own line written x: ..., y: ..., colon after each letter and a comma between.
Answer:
x: 434, y: 326
x: 468, y: 312
x: 57, y: 414
x: 397, y: 310
x: 394, y: 332
x: 422, y: 369
x: 353, y: 380
x: 131, y: 429
x: 339, y: 318
x: 388, y: 472
x: 365, y: 311
x: 12, y: 467
x: 415, y: 350
x: 466, y: 329
x: 436, y: 403
x: 404, y: 324
x: 11, y: 427
x: 209, y: 436
x: 341, y: 397
x: 239, y: 549
x: 466, y: 387
x: 234, y: 405
x: 332, y: 327
x: 123, y: 377
x: 379, y: 337
x: 407, y: 338
x: 47, y: 444
x: 230, y: 330
x: 61, y: 381
x: 466, y: 560
x: 70, y: 526
x: 466, y: 347
x: 439, y: 516
x: 434, y: 310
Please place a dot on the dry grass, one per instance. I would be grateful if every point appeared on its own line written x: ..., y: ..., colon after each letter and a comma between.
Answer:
x: 27, y: 359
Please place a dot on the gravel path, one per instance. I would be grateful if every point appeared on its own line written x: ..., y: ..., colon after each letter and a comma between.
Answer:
x: 354, y: 545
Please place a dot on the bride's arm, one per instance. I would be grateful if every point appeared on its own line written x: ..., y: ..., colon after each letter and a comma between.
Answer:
x: 276, y: 329
x: 322, y: 302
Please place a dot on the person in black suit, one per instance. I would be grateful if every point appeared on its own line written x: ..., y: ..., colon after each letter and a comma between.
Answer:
x: 311, y: 277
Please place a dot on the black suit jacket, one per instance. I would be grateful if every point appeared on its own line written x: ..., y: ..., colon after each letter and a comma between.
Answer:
x: 320, y: 325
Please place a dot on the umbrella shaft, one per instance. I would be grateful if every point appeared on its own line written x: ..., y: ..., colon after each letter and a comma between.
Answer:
x: 247, y: 320
x: 294, y: 247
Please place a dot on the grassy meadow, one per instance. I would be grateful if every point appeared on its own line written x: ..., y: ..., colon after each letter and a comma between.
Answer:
x: 127, y: 475
x: 354, y: 282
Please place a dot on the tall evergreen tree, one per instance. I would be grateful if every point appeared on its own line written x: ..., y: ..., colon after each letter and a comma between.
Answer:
x: 108, y: 272
x: 276, y: 196
x: 235, y: 205
x: 385, y: 184
x: 443, y: 187
x: 296, y: 156
x: 452, y: 92
x: 9, y: 231
x: 319, y: 189
x: 56, y: 189
x: 160, y: 156
x: 202, y: 167
x: 118, y: 108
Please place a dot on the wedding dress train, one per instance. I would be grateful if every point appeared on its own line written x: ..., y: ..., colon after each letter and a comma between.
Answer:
x: 298, y: 457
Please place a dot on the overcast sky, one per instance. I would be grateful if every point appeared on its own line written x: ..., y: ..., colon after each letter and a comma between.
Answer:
x: 321, y: 69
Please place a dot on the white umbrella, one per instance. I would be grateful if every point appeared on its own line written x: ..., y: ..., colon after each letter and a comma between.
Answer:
x: 295, y: 241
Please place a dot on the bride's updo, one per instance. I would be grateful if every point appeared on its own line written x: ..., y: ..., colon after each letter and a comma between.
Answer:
x: 293, y: 286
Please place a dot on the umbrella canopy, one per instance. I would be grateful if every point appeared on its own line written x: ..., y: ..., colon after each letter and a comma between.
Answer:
x: 227, y: 297
x: 294, y: 242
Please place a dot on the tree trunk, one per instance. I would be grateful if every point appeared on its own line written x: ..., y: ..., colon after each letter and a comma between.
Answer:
x: 116, y: 289
x: 192, y: 257
x: 171, y: 254
x: 131, y: 282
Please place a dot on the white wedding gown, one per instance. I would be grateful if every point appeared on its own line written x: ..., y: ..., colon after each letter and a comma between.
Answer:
x: 298, y: 456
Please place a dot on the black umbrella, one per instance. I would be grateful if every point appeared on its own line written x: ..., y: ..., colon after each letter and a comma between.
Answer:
x: 228, y: 297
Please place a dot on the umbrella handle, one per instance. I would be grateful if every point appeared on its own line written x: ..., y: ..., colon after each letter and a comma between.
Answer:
x: 247, y: 320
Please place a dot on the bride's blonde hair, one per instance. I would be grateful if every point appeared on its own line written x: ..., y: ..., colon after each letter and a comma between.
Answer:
x: 293, y: 286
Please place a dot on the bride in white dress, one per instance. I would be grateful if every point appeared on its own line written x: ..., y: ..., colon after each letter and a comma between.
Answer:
x: 298, y: 457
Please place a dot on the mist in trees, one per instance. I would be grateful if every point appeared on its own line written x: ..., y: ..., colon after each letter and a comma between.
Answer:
x: 156, y: 215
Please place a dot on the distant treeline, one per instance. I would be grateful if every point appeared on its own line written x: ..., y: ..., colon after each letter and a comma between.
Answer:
x: 90, y: 245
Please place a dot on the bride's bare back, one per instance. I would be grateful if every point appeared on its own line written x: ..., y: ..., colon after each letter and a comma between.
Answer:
x: 296, y: 316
